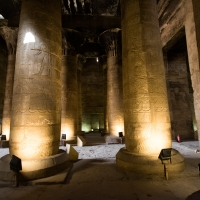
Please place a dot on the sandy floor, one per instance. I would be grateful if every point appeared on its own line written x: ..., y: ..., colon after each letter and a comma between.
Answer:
x: 95, y: 177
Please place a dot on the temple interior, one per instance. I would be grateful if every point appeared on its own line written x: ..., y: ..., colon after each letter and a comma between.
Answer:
x: 103, y: 93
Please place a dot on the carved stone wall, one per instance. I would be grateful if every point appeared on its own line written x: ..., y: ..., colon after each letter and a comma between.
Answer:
x: 192, y: 30
x: 36, y: 107
x: 92, y: 90
x: 180, y: 92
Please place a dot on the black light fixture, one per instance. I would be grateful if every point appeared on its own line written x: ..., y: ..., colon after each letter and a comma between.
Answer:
x: 120, y: 134
x: 15, y: 164
x: 165, y: 154
x: 3, y: 137
x: 63, y: 136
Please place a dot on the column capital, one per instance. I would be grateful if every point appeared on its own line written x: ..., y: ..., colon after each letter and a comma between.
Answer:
x: 111, y: 39
x: 72, y: 39
x: 10, y: 36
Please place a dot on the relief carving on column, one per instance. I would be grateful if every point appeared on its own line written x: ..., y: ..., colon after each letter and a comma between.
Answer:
x: 10, y: 36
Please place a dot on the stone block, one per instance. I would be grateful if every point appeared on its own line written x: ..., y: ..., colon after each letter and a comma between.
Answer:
x: 81, y: 133
x: 4, y: 144
x: 73, y: 154
x: 80, y: 141
x: 109, y: 139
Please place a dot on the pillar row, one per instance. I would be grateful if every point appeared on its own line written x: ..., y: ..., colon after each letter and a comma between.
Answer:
x: 111, y: 40
x: 10, y: 36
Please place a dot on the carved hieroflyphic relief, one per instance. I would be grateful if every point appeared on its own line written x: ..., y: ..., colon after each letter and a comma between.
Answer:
x: 36, y: 103
x: 111, y: 40
x: 145, y: 98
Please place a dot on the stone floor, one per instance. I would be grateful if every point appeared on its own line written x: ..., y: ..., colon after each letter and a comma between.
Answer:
x: 95, y: 177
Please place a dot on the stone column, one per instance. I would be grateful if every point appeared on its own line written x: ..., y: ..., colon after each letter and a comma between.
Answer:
x: 10, y: 36
x: 192, y: 31
x: 111, y: 40
x: 104, y: 66
x: 81, y: 60
x: 146, y: 112
x: 36, y: 107
x: 69, y: 117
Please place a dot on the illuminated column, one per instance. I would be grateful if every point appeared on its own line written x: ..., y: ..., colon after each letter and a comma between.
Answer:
x: 69, y: 116
x: 111, y: 40
x: 104, y: 65
x: 10, y: 36
x: 35, y: 120
x: 146, y: 112
x: 81, y: 60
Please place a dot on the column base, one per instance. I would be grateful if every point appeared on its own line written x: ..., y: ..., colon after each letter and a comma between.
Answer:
x: 35, y: 168
x: 147, y: 164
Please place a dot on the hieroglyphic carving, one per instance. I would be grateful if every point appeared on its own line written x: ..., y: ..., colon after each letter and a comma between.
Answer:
x: 36, y: 95
x: 145, y: 96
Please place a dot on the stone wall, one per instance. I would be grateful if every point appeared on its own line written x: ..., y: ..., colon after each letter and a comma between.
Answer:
x: 180, y: 92
x: 92, y: 94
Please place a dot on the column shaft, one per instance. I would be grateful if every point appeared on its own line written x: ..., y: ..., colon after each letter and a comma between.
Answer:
x: 10, y: 36
x: 146, y: 112
x: 69, y: 117
x: 35, y: 121
x: 111, y: 40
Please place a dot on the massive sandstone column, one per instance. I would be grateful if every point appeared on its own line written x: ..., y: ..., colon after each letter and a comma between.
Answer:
x: 111, y: 40
x: 69, y: 117
x: 81, y: 60
x: 35, y: 121
x: 10, y: 36
x: 146, y: 112
x: 104, y: 66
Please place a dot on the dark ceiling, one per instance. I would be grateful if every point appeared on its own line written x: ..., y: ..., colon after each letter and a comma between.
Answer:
x: 8, y: 8
x: 90, y: 17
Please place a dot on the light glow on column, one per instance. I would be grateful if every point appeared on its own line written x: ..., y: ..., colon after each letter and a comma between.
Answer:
x: 29, y: 37
x: 6, y: 131
x: 68, y: 131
